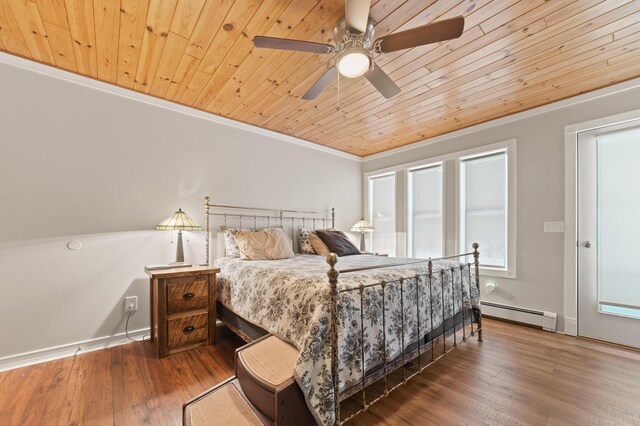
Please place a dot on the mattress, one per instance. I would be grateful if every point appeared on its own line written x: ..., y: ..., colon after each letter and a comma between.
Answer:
x: 290, y: 298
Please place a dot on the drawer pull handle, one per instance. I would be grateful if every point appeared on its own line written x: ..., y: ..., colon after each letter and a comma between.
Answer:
x: 188, y: 329
x: 188, y: 296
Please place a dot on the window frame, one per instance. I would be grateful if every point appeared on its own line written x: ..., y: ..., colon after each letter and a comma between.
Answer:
x: 369, y: 206
x: 409, y: 205
x: 509, y: 148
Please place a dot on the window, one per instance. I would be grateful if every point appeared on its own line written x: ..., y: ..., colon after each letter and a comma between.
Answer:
x: 448, y: 203
x: 616, y: 211
x: 382, y: 213
x: 425, y: 212
x: 484, y: 206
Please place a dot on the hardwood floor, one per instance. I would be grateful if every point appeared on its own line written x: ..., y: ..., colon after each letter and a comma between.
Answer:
x: 123, y: 385
x: 518, y: 375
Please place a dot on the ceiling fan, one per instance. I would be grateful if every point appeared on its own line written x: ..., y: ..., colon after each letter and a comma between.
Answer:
x: 355, y: 47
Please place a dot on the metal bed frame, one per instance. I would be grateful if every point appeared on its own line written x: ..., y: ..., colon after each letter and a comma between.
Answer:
x: 280, y: 216
x: 407, y: 356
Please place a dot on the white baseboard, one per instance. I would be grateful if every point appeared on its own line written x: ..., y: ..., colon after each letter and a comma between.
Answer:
x: 57, y: 352
x: 570, y: 326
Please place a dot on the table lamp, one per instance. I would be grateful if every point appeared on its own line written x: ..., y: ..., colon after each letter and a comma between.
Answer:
x: 179, y: 221
x: 362, y: 226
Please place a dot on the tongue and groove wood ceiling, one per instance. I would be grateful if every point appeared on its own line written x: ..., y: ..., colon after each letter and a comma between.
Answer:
x: 512, y: 56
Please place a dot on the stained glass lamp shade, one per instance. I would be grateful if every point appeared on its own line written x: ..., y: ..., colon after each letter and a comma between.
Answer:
x: 179, y: 221
x: 362, y: 226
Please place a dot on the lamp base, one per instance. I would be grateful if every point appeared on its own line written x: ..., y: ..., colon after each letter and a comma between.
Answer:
x: 363, y: 248
x: 179, y: 250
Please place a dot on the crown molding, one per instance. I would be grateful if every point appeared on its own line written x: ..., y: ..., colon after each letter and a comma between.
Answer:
x: 47, y: 70
x: 606, y: 91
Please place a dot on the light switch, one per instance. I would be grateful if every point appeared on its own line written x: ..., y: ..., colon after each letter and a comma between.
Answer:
x: 553, y: 227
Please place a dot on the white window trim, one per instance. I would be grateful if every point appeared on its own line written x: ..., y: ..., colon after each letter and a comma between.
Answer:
x: 408, y: 199
x: 367, y: 179
x: 508, y: 147
x: 452, y: 160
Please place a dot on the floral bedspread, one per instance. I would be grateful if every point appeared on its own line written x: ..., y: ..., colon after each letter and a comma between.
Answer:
x: 290, y: 298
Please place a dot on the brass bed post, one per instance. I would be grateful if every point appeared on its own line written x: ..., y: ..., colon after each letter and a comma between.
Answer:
x: 430, y: 266
x: 333, y: 273
x: 477, y: 312
x: 206, y: 220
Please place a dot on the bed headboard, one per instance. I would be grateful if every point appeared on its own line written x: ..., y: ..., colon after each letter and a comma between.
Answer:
x: 218, y: 215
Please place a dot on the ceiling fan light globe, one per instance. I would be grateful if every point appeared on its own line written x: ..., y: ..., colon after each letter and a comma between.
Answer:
x: 354, y: 64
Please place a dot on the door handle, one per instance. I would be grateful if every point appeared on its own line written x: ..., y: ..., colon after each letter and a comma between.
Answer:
x: 587, y: 244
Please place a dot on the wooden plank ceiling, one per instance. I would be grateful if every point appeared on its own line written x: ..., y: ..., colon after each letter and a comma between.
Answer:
x: 513, y: 55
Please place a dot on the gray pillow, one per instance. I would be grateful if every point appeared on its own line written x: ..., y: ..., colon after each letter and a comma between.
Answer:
x: 337, y: 242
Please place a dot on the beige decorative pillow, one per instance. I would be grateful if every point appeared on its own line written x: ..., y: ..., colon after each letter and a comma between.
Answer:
x: 230, y: 246
x: 264, y: 245
x: 317, y: 244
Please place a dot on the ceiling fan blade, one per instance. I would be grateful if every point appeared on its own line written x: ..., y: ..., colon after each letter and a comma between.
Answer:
x: 356, y: 13
x: 431, y: 33
x: 382, y: 82
x: 321, y: 84
x: 288, y: 44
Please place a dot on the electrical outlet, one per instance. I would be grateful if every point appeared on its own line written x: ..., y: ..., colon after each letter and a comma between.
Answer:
x: 490, y: 287
x: 131, y: 304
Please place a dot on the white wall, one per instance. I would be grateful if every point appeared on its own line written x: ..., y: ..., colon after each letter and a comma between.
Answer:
x: 81, y: 163
x: 540, y: 191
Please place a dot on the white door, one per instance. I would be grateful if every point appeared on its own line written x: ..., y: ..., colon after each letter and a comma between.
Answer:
x: 609, y: 234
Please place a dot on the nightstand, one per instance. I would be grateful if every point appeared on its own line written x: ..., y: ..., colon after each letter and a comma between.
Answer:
x: 183, y: 308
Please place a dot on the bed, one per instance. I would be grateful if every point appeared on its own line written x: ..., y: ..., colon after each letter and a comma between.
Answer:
x: 352, y: 332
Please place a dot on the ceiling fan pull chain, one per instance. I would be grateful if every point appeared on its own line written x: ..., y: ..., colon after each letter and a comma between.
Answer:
x: 338, y: 107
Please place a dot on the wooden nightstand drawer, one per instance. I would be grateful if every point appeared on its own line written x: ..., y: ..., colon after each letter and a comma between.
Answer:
x: 187, y: 330
x: 183, y: 308
x: 188, y: 293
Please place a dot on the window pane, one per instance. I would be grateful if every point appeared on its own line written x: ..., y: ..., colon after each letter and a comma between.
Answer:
x: 382, y: 211
x: 484, y: 207
x: 617, y: 310
x: 425, y: 220
x: 618, y: 211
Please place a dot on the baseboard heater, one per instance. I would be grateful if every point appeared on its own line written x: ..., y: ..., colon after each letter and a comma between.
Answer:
x: 549, y: 319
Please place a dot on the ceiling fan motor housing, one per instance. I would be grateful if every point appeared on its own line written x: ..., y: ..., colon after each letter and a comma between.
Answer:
x: 345, y: 38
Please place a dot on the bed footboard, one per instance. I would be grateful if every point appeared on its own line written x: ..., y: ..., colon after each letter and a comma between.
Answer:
x: 411, y: 352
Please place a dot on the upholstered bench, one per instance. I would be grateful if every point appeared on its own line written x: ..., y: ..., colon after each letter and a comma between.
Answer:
x: 224, y: 404
x: 264, y: 369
